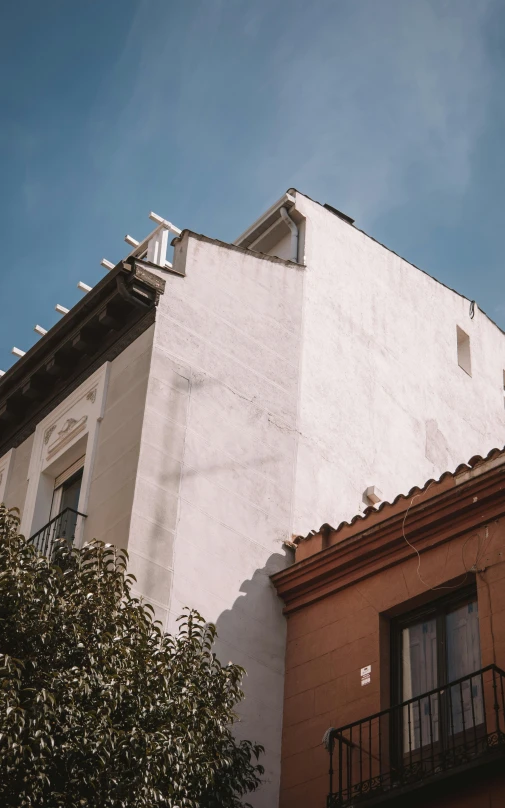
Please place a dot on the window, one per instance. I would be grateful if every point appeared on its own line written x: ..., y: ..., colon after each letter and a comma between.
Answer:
x: 464, y: 358
x: 65, y: 502
x: 432, y: 648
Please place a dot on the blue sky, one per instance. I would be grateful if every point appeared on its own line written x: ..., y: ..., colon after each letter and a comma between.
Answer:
x: 206, y: 111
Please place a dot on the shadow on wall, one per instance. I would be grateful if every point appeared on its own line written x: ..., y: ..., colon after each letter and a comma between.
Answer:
x: 253, y: 634
x: 170, y: 445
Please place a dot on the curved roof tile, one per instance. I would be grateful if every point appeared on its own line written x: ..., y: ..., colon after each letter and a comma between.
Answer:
x: 415, y: 491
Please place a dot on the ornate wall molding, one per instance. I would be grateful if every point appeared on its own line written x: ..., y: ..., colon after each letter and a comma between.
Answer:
x: 110, y: 317
x: 48, y: 433
x: 70, y: 429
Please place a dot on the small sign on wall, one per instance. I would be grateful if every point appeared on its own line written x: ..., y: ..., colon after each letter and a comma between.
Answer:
x: 366, y: 674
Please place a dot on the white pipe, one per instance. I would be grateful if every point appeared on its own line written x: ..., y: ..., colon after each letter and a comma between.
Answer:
x: 294, y: 233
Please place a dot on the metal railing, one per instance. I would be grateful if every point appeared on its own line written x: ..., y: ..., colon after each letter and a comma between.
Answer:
x: 63, y: 526
x: 450, y: 728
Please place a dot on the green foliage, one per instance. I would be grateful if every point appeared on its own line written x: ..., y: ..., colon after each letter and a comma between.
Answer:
x: 98, y: 707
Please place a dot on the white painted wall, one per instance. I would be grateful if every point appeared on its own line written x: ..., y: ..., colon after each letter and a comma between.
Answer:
x: 17, y: 481
x: 382, y: 399
x: 214, y: 495
x: 273, y: 396
x: 111, y: 468
x: 114, y: 471
x: 277, y: 395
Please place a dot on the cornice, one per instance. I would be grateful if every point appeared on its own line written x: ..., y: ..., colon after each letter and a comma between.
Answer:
x: 273, y: 259
x: 111, y: 316
x: 429, y: 524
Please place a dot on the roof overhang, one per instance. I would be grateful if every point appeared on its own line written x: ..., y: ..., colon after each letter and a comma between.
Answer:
x: 111, y: 316
x: 266, y: 223
x: 459, y: 505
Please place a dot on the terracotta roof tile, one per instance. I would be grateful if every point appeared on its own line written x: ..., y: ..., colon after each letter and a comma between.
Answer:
x: 386, y: 509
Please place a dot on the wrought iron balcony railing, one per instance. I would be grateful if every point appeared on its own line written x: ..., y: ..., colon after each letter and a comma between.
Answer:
x: 63, y: 526
x: 445, y: 731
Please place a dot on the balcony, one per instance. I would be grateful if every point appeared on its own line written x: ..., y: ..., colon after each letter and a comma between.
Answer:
x: 440, y: 734
x: 64, y: 526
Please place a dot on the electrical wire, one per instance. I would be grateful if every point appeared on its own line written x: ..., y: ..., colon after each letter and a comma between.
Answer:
x: 480, y: 572
x: 480, y: 552
x: 418, y: 570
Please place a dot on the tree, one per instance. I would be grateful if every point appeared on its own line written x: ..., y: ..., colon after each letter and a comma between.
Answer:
x: 98, y: 707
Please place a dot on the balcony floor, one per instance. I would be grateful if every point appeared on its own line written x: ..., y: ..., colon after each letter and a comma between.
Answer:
x: 421, y: 790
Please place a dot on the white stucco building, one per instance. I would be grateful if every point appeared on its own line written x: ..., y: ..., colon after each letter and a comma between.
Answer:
x: 201, y: 415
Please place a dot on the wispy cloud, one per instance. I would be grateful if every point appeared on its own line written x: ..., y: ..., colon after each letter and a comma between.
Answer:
x: 207, y: 110
x: 387, y: 100
x: 371, y: 101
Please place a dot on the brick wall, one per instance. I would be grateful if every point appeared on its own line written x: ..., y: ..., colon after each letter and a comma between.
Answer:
x: 330, y: 640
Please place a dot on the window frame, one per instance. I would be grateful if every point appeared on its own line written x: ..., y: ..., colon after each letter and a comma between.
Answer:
x: 85, y: 402
x: 436, y: 609
x: 59, y: 490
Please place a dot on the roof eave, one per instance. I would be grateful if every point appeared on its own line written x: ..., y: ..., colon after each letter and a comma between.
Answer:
x: 265, y: 222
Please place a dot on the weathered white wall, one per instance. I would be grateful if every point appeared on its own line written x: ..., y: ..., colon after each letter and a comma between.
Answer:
x: 263, y: 402
x: 382, y: 399
x: 213, y: 501
x: 114, y: 472
x: 276, y: 395
x: 113, y: 475
x: 17, y: 485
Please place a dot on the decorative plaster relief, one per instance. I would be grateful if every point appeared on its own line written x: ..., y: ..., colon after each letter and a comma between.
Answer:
x: 71, y: 429
x: 76, y: 418
x: 68, y: 423
x: 48, y: 433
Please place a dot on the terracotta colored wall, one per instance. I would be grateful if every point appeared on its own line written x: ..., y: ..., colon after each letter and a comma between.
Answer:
x: 488, y: 794
x: 330, y: 640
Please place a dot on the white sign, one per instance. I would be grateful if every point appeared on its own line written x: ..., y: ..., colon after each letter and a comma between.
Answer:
x: 366, y: 673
